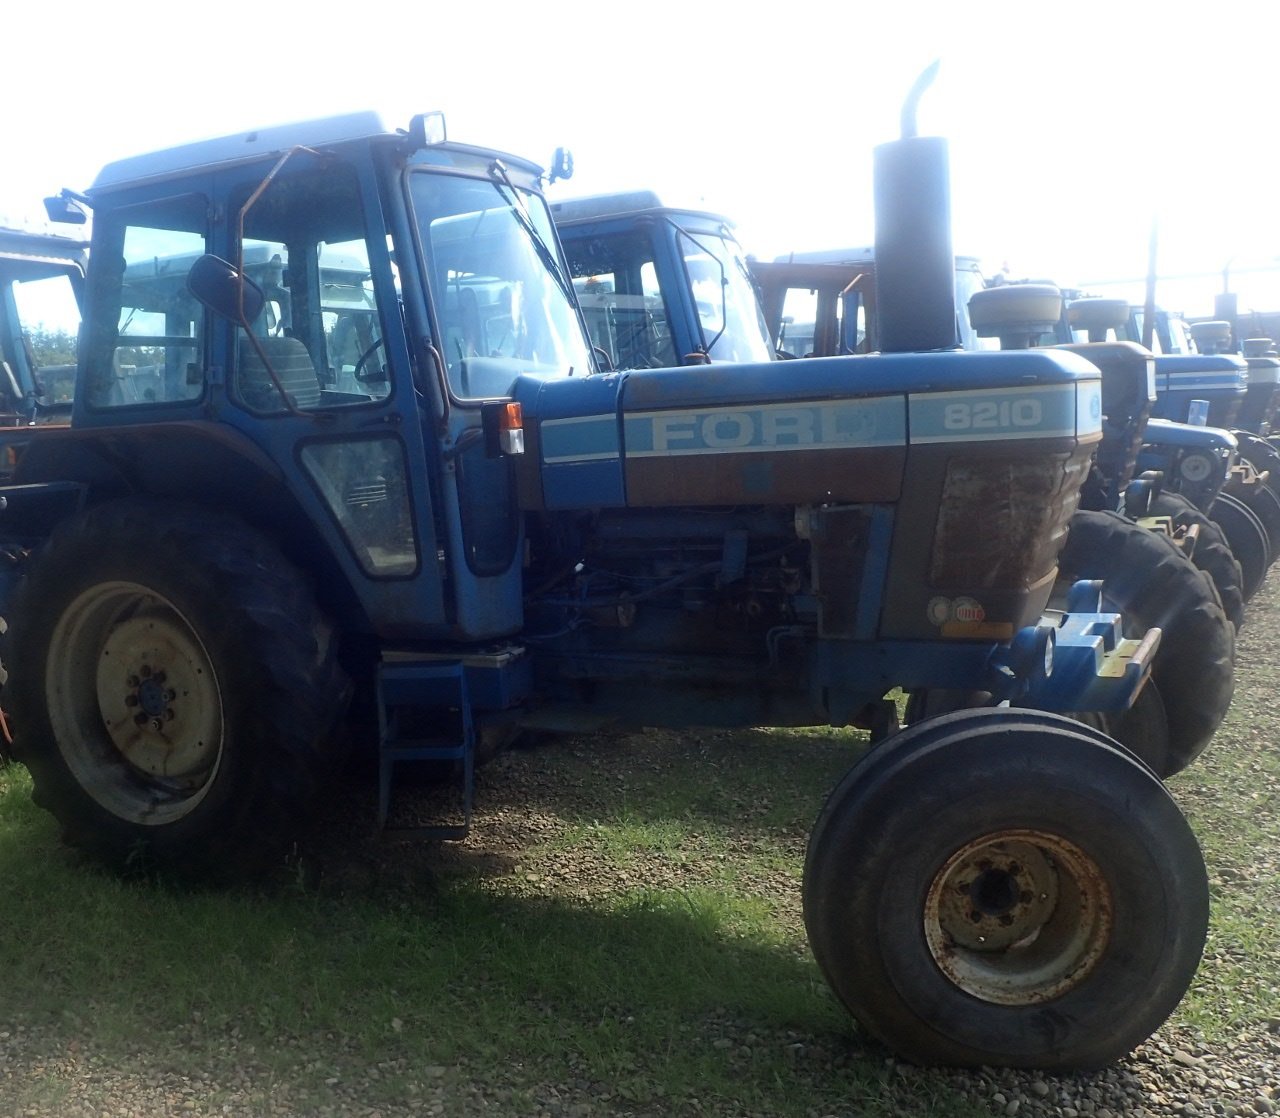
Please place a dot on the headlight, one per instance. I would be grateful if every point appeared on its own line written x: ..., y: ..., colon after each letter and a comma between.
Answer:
x: 1197, y: 467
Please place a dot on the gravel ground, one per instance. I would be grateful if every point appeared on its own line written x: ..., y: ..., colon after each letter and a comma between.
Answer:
x: 45, y: 1071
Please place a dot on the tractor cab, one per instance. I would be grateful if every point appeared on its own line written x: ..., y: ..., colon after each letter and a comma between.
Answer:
x: 823, y: 303
x: 660, y: 286
x: 389, y: 286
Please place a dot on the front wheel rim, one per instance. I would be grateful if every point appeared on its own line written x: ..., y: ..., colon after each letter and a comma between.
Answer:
x: 1018, y: 917
x: 135, y: 703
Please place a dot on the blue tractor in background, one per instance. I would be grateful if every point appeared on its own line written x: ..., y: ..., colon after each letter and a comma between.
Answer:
x: 360, y: 466
x: 1193, y: 438
x: 628, y: 253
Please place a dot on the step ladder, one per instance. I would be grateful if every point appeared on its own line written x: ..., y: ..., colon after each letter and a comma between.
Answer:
x: 425, y: 686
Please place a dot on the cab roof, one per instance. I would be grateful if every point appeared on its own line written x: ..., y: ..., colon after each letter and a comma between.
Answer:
x: 43, y: 247
x: 621, y: 203
x: 241, y: 147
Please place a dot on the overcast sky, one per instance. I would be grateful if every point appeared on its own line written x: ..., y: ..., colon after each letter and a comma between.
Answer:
x: 1071, y: 124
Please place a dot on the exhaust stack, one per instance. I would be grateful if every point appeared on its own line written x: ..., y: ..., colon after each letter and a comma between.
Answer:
x: 915, y: 262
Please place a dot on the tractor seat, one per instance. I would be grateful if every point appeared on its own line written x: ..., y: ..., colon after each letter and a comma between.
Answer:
x: 293, y: 368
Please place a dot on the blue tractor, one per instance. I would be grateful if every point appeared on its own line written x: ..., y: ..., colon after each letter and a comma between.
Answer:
x: 1210, y: 476
x: 407, y: 497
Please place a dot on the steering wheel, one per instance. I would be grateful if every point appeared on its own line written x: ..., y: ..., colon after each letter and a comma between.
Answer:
x: 371, y: 374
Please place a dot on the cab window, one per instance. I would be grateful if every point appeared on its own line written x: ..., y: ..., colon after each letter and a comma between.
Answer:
x: 319, y: 337
x: 147, y: 340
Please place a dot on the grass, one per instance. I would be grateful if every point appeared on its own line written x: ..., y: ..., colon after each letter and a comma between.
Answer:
x: 643, y: 993
x: 1232, y: 797
x: 624, y: 924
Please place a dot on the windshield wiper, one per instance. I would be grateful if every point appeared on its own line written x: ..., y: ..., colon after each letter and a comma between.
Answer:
x: 499, y: 172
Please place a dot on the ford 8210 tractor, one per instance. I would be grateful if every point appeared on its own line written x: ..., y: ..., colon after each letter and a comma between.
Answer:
x: 274, y: 494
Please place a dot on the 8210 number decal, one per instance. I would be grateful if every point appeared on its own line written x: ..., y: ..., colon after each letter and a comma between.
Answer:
x: 992, y: 416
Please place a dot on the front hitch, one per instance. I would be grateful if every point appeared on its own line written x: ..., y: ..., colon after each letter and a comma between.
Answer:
x: 1078, y: 660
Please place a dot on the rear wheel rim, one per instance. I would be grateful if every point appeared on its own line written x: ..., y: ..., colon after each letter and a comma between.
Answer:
x: 135, y: 703
x: 1018, y: 917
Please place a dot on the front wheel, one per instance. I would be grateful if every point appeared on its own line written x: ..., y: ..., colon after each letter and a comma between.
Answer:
x: 1150, y: 583
x: 1248, y: 538
x: 1006, y: 888
x: 1212, y: 552
x: 174, y: 687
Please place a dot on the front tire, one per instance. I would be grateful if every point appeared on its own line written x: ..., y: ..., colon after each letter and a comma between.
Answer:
x: 1148, y: 580
x: 1248, y: 538
x: 1212, y: 552
x: 174, y: 688
x: 1000, y: 889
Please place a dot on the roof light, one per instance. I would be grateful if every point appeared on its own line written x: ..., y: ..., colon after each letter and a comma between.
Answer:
x: 426, y: 129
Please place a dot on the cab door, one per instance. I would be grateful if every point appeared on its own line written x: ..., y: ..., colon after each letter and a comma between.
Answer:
x: 322, y: 380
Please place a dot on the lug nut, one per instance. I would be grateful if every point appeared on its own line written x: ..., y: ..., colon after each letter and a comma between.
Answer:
x: 134, y: 681
x: 131, y: 700
x: 140, y: 719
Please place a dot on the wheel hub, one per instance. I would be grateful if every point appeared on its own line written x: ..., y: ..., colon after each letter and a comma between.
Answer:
x: 160, y: 718
x: 1001, y: 894
x: 1018, y: 917
x: 150, y: 694
x: 135, y: 702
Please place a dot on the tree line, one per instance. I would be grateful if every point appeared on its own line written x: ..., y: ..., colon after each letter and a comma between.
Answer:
x: 52, y: 347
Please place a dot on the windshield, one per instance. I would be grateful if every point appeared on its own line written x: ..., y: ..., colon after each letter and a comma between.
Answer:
x: 42, y: 353
x: 501, y: 309
x: 1179, y: 340
x: 733, y: 326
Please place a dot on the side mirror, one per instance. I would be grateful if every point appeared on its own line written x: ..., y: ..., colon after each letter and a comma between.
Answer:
x: 65, y: 210
x: 561, y: 165
x: 225, y: 290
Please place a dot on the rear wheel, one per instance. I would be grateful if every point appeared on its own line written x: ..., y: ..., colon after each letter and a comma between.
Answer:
x: 1143, y: 729
x: 1006, y: 888
x: 1148, y: 580
x: 174, y: 688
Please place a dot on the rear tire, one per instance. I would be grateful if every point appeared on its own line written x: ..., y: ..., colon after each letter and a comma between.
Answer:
x: 1143, y: 729
x: 1001, y: 888
x: 1148, y: 580
x: 174, y: 688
